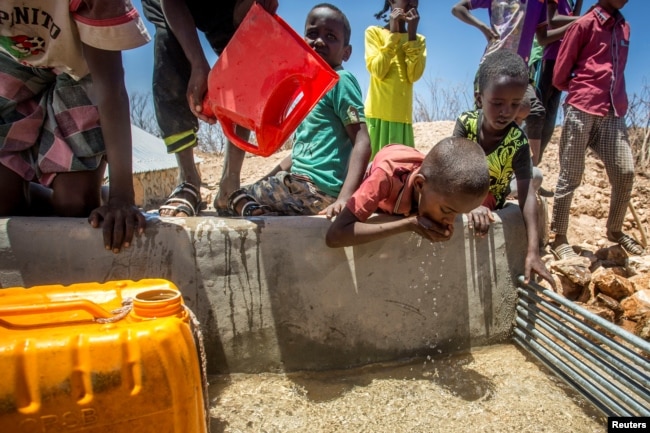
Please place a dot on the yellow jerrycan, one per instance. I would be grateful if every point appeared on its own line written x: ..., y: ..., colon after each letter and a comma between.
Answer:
x: 111, y: 357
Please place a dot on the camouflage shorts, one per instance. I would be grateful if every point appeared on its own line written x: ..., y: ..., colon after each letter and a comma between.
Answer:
x: 290, y: 194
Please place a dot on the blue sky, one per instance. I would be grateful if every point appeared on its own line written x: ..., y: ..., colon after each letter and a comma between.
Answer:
x: 453, y: 48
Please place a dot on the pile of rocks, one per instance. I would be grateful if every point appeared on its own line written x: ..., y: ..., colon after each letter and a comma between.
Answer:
x: 608, y: 283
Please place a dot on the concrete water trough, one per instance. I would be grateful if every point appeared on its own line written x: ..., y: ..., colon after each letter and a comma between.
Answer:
x: 275, y: 302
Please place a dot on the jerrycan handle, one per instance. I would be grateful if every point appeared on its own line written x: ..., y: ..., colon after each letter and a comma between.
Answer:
x: 277, y: 108
x: 228, y: 127
x: 276, y: 115
x: 89, y: 307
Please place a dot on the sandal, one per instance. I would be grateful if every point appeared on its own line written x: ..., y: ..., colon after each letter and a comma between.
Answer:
x: 630, y: 245
x: 178, y: 204
x: 248, y: 208
x: 564, y: 251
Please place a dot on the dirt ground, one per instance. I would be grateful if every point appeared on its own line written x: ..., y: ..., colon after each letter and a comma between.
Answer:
x: 494, y: 389
x: 588, y: 212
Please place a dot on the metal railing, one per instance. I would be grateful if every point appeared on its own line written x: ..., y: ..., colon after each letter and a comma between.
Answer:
x: 609, y: 366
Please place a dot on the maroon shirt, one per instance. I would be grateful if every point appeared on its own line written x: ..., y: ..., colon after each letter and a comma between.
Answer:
x: 591, y: 63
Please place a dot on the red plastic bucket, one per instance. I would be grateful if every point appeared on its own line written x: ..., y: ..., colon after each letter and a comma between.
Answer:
x: 267, y: 80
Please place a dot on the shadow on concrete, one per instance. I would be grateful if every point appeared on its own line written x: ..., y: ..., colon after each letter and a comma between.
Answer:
x: 396, y: 298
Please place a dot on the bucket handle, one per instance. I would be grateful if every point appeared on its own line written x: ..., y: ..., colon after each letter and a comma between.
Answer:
x: 276, y: 118
x: 89, y: 307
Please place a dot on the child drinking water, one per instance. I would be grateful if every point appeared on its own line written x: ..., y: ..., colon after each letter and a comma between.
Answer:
x: 502, y: 83
x: 395, y: 58
x: 427, y: 192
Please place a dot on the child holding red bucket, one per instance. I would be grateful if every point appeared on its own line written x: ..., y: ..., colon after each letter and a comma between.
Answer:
x: 331, y: 148
x: 65, y: 112
x: 180, y: 81
x: 395, y: 59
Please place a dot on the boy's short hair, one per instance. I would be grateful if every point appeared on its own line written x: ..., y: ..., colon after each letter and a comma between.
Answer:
x: 501, y: 63
x: 347, y: 29
x: 456, y: 165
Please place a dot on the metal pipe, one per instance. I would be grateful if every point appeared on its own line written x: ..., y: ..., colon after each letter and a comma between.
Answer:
x: 559, y: 373
x: 622, y: 350
x: 592, y: 392
x: 610, y: 327
x: 581, y: 345
x: 605, y: 371
x: 579, y: 368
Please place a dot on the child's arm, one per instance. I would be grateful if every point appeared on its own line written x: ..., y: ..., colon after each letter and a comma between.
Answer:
x: 415, y: 58
x: 568, y: 56
x: 379, y: 51
x: 120, y: 218
x: 557, y: 25
x: 284, y: 165
x: 182, y: 24
x: 528, y: 205
x: 358, y: 133
x: 557, y: 20
x: 462, y: 11
x: 347, y: 230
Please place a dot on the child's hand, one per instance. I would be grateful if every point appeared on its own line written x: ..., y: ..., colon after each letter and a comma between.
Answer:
x: 119, y: 221
x: 396, y: 15
x: 534, y: 264
x: 480, y: 220
x: 431, y: 230
x: 490, y: 34
x: 334, y: 209
x: 197, y: 88
x: 412, y: 17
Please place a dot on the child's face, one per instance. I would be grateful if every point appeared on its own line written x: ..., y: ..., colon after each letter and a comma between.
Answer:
x: 500, y: 102
x: 442, y: 208
x: 405, y: 5
x: 325, y: 33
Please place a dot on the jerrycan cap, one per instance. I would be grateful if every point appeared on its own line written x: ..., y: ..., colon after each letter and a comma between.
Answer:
x: 157, y: 303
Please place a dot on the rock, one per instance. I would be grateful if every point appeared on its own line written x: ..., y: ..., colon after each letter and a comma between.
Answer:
x: 636, y: 305
x: 575, y: 269
x: 638, y: 265
x: 642, y: 328
x: 566, y: 287
x: 613, y: 285
x: 603, y: 300
x: 615, y: 254
x: 641, y: 282
x: 627, y: 325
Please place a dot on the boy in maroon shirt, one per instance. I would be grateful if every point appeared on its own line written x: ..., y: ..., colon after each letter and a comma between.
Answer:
x: 590, y: 67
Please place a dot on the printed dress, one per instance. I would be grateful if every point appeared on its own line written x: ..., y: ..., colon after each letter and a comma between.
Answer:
x: 510, y: 156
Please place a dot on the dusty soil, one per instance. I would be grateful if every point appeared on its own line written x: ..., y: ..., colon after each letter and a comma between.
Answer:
x: 588, y: 212
x: 494, y: 389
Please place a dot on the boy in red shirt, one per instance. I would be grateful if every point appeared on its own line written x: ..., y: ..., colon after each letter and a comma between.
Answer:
x: 590, y: 67
x: 428, y: 192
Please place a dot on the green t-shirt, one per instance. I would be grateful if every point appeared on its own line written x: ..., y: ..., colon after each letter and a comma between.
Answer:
x: 322, y: 148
